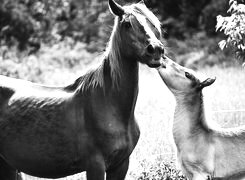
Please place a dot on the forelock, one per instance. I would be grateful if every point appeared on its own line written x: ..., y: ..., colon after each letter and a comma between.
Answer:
x: 143, y: 10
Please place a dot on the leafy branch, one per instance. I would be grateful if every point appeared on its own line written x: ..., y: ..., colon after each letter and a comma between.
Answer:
x: 233, y: 27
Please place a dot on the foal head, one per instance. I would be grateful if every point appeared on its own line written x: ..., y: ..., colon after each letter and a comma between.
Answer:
x: 180, y: 79
x: 136, y: 34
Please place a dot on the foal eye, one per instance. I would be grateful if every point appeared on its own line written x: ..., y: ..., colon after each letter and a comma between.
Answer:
x: 188, y: 75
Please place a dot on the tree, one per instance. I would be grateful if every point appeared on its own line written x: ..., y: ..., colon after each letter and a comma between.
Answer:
x: 233, y: 27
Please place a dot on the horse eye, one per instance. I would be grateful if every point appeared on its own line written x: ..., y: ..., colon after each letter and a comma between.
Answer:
x: 127, y: 24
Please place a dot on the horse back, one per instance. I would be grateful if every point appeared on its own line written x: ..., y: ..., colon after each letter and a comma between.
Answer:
x: 10, y: 86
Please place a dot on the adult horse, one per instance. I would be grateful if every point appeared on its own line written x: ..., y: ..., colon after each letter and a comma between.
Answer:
x: 53, y: 132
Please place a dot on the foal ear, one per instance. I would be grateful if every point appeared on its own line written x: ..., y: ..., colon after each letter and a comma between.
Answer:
x: 115, y: 8
x: 207, y: 82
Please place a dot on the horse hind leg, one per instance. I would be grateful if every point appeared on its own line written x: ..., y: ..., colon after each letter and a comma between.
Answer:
x: 7, y: 172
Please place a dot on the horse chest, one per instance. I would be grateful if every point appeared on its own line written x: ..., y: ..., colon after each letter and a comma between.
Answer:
x: 120, y: 147
x: 116, y: 140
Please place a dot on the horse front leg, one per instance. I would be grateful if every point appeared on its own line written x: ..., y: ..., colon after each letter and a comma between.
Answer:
x: 119, y: 172
x: 96, y: 169
x: 7, y: 172
x: 201, y: 176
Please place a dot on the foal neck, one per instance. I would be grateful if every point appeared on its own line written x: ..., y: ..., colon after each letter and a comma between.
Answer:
x: 189, y: 116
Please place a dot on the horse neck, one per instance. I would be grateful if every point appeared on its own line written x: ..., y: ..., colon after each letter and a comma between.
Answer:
x: 189, y: 117
x: 124, y: 85
x: 124, y: 68
x: 124, y: 72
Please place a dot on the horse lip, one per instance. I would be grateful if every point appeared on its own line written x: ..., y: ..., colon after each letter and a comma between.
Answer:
x: 154, y: 63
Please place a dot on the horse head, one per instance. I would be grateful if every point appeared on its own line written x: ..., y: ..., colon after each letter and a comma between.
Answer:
x: 138, y: 33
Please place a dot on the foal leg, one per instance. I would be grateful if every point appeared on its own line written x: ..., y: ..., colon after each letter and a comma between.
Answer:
x: 119, y: 172
x: 6, y: 171
x: 200, y: 176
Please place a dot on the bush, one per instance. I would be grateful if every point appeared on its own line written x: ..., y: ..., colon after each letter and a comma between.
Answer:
x: 233, y: 27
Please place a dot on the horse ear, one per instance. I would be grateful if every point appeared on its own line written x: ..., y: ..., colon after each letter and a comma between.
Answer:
x: 115, y: 8
x: 142, y: 2
x: 206, y: 83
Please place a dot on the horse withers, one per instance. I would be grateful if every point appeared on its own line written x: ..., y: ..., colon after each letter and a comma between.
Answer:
x: 53, y: 132
x: 204, y: 149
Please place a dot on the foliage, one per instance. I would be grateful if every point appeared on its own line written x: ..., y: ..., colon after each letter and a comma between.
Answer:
x: 233, y: 27
x: 209, y: 14
x: 28, y: 21
x: 34, y: 22
x: 60, y: 59
x: 31, y: 23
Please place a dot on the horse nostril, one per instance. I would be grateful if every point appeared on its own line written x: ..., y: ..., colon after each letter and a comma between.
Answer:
x: 150, y: 49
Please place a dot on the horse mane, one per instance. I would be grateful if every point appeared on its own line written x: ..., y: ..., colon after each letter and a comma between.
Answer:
x: 92, y: 79
x: 112, y: 53
x: 111, y: 62
x: 113, y: 46
x: 143, y: 10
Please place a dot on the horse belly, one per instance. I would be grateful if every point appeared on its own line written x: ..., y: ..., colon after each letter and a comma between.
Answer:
x: 51, y: 159
x: 42, y: 147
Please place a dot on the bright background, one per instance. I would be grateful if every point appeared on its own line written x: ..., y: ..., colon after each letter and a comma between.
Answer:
x: 55, y: 41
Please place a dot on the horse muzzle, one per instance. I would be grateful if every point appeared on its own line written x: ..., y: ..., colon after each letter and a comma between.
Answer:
x: 155, y: 53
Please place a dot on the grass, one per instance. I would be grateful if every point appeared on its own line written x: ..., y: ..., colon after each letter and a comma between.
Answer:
x: 154, y: 156
x: 155, y: 108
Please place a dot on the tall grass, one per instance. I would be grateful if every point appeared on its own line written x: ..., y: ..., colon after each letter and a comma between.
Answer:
x: 154, y: 156
x: 155, y: 107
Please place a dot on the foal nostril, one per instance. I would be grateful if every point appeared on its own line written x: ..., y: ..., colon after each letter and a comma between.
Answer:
x: 150, y: 49
x: 162, y: 50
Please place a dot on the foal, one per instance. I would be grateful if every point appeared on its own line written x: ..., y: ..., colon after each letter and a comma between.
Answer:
x: 203, y: 151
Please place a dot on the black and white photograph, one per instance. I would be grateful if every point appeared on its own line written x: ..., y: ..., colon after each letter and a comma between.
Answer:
x: 122, y: 89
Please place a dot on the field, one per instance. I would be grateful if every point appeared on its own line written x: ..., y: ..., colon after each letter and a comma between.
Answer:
x: 154, y: 156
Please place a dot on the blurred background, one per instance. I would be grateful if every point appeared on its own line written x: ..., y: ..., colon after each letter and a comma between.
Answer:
x: 44, y: 29
x: 56, y: 41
